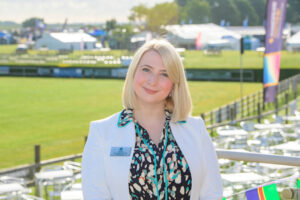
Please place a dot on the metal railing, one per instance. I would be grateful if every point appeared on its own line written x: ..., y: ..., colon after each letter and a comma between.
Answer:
x: 29, y: 170
x: 252, y: 106
x: 259, y: 157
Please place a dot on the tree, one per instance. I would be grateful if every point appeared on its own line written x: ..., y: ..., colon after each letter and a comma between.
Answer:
x: 153, y: 18
x: 31, y: 23
x: 246, y: 11
x: 225, y: 10
x: 181, y: 3
x: 260, y: 9
x: 110, y: 25
x: 293, y: 11
x: 120, y: 37
x: 197, y: 11
x: 162, y: 14
x: 139, y: 13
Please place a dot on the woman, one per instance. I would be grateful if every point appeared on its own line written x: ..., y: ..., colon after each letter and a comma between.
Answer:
x: 152, y: 149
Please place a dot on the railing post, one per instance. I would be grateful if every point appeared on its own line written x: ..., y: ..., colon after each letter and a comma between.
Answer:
x: 37, y: 157
x: 286, y: 106
x: 242, y: 108
x: 220, y: 115
x: 296, y: 90
x: 258, y: 113
x: 235, y: 110
x: 248, y: 106
x: 203, y: 116
x: 85, y: 139
x: 231, y: 114
x: 276, y: 105
x: 211, y: 122
x: 227, y: 112
x: 254, y: 102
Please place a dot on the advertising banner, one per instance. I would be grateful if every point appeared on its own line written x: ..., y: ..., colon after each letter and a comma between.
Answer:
x: 275, y: 19
x: 67, y: 72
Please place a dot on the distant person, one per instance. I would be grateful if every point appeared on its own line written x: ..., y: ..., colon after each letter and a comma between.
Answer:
x: 152, y: 149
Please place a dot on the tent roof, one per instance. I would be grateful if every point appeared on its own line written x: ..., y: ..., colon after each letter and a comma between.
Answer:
x: 295, y: 39
x: 98, y: 32
x: 73, y: 37
x: 191, y: 31
x: 2, y: 34
x: 142, y: 36
x: 254, y: 30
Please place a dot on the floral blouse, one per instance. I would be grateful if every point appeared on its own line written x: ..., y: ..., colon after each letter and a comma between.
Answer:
x: 142, y: 170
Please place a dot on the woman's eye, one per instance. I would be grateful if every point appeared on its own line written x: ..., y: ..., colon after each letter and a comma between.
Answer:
x: 165, y: 74
x: 145, y: 69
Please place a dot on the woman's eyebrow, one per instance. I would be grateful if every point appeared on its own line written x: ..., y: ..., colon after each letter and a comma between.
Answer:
x: 146, y: 65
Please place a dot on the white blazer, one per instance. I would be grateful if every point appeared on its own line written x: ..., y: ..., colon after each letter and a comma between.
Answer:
x: 106, y: 177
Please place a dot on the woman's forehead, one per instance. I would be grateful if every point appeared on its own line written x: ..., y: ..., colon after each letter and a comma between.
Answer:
x: 153, y: 59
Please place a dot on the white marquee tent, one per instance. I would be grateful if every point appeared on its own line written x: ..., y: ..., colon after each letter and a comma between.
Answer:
x: 293, y: 43
x: 66, y: 41
x: 185, y: 36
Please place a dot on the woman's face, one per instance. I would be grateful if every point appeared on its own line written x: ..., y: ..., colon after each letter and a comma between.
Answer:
x: 151, y: 82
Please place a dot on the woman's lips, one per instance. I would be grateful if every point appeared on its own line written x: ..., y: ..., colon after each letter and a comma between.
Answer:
x: 149, y: 91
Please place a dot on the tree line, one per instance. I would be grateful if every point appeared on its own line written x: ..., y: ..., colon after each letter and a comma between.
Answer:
x: 227, y: 12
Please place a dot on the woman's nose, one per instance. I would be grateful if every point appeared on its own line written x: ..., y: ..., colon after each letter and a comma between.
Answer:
x: 153, y: 79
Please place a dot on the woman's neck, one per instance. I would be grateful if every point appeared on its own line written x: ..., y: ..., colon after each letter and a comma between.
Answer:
x: 150, y: 114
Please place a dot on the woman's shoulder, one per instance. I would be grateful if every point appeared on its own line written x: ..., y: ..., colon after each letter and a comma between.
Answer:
x: 191, y: 122
x: 198, y: 124
x: 108, y: 121
x: 195, y: 120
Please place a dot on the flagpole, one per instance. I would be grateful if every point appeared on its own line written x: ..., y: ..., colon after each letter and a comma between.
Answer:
x: 241, y: 70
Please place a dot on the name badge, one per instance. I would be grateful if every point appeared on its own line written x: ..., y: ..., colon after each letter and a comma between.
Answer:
x: 120, y: 151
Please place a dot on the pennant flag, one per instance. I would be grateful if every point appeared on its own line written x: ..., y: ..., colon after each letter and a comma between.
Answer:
x: 222, y: 23
x: 198, y: 41
x: 275, y: 20
x: 245, y: 22
x: 298, y: 183
x: 98, y: 32
x: 223, y: 198
x: 268, y: 192
x: 39, y: 24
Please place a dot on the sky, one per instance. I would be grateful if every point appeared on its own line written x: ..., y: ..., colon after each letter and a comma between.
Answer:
x: 56, y: 11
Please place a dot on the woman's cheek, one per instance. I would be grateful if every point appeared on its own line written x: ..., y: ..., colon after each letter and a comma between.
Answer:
x: 168, y: 85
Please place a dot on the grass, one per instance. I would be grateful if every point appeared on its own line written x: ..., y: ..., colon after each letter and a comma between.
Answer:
x: 8, y: 49
x: 55, y: 113
x: 231, y: 60
x: 192, y: 59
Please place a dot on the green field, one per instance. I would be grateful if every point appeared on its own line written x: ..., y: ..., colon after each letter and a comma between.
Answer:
x: 56, y: 112
x: 192, y: 59
x: 7, y: 49
x: 231, y: 60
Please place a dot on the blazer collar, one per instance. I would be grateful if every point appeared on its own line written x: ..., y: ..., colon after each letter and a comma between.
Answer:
x: 126, y: 116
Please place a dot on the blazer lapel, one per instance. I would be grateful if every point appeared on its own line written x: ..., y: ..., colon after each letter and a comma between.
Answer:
x: 121, y: 149
x: 188, y: 142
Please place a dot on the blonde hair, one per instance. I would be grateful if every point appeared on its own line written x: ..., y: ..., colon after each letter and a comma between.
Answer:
x: 179, y: 103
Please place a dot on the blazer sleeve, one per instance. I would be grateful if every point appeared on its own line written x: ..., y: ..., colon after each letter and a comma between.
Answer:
x: 211, y: 183
x: 94, y: 184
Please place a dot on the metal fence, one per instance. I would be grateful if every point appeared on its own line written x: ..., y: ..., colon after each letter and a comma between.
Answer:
x: 29, y: 170
x: 252, y: 106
